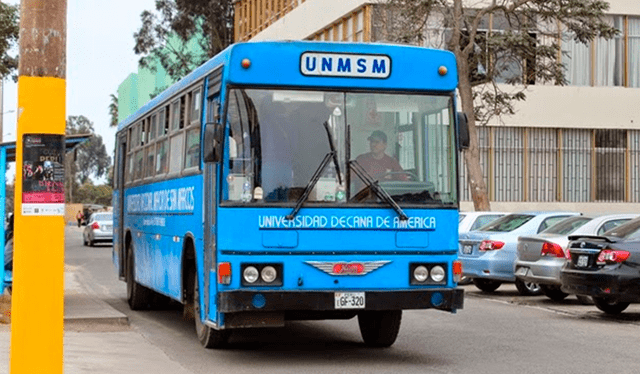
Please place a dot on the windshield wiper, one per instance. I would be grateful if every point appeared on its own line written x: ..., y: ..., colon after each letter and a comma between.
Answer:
x: 379, y: 191
x: 311, y: 184
x: 316, y: 176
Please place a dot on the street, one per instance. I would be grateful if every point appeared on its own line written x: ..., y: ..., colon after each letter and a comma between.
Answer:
x: 494, y: 333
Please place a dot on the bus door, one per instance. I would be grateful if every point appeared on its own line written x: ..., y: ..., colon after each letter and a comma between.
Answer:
x: 121, y: 164
x: 210, y: 197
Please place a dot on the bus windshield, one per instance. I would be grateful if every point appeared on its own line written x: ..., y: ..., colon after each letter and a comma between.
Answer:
x: 278, y: 140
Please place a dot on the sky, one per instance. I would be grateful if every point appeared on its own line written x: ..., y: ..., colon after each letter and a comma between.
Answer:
x: 99, y: 57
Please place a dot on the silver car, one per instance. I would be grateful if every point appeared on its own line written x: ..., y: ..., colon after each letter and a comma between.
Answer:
x: 541, y: 257
x: 488, y: 255
x: 99, y: 229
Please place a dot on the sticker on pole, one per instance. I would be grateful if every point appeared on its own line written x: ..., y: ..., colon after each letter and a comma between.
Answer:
x: 43, y: 175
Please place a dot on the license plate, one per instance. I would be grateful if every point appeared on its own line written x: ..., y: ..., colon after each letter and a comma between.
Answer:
x: 107, y: 228
x: 349, y: 300
x: 582, y: 261
x: 467, y: 249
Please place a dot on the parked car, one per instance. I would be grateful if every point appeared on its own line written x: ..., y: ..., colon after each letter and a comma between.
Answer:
x: 471, y: 221
x: 605, y: 267
x: 99, y: 228
x: 541, y: 257
x: 488, y: 255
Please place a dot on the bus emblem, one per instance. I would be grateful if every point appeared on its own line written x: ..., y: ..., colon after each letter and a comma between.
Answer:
x: 347, y: 268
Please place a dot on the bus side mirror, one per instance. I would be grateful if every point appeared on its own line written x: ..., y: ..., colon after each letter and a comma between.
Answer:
x: 463, y: 130
x: 213, y: 136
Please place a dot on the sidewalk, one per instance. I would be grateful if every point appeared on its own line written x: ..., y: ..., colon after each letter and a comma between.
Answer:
x: 98, y: 339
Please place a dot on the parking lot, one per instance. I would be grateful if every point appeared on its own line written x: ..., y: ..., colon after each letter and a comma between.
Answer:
x: 508, y: 294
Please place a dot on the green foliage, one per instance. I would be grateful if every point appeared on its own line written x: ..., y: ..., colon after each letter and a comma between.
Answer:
x: 9, y: 31
x: 113, y: 111
x: 90, y: 158
x: 183, y: 34
x: 90, y: 194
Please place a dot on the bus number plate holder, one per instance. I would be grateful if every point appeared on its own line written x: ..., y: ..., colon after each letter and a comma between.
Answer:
x: 349, y: 300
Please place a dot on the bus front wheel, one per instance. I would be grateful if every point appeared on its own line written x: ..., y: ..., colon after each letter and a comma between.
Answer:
x: 380, y: 328
x: 209, y: 337
x: 137, y: 295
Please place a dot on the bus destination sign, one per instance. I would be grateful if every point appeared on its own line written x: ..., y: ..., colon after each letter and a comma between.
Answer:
x: 345, y: 65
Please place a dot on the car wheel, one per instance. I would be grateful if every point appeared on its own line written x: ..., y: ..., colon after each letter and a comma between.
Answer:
x: 379, y: 328
x: 609, y: 306
x: 464, y: 281
x: 208, y: 337
x: 554, y: 293
x: 585, y: 300
x: 84, y: 240
x: 528, y: 288
x: 486, y: 285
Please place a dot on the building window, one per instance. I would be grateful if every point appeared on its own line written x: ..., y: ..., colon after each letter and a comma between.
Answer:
x: 633, y: 58
x: 610, y: 164
x: 610, y: 56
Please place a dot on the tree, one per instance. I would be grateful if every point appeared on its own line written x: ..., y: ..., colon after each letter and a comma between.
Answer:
x: 113, y: 111
x: 165, y: 36
x: 522, y: 51
x: 91, y: 158
x: 88, y: 193
x: 9, y: 31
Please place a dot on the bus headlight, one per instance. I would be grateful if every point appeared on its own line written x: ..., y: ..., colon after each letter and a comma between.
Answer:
x: 437, y: 273
x: 268, y: 274
x: 421, y: 273
x: 250, y: 274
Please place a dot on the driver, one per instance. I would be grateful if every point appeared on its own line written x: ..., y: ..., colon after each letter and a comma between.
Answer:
x: 377, y: 163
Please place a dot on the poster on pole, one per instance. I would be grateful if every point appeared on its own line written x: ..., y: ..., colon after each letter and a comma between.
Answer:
x: 43, y: 175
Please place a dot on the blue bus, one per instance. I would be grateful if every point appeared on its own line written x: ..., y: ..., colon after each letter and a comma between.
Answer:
x: 291, y: 181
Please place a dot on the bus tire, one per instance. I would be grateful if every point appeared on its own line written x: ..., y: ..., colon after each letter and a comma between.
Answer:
x: 208, y: 337
x: 379, y: 328
x: 137, y: 295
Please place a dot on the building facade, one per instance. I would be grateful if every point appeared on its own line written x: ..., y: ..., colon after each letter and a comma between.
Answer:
x: 573, y: 147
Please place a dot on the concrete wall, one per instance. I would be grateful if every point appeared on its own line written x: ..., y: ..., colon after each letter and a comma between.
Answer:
x: 578, y: 107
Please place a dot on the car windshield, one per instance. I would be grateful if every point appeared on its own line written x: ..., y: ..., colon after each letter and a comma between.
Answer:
x: 567, y: 226
x: 484, y: 220
x: 103, y: 217
x: 629, y: 230
x: 507, y: 223
x: 461, y: 217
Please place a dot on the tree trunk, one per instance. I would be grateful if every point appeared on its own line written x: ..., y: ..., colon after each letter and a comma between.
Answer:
x: 472, y: 155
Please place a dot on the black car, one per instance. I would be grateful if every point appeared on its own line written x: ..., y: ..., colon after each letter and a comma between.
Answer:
x: 605, y: 267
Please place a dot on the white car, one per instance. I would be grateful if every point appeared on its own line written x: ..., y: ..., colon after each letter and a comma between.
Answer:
x: 470, y: 221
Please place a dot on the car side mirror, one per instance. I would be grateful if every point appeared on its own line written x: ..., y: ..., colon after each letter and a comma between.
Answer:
x: 213, y: 136
x: 463, y: 130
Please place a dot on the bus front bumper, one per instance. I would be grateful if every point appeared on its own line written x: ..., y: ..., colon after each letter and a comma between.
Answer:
x: 447, y: 299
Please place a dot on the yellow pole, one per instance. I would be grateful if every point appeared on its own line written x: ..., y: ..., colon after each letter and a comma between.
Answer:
x: 38, y: 274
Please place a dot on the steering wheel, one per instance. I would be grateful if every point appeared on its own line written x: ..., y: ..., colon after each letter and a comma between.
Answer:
x: 411, y: 175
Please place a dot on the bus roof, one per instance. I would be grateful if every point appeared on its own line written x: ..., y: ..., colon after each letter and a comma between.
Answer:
x: 337, y: 66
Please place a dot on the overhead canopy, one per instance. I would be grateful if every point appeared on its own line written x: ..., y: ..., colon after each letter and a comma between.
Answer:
x: 71, y: 142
